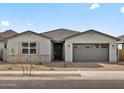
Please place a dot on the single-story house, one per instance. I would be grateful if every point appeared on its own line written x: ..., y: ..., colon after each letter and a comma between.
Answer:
x: 61, y: 44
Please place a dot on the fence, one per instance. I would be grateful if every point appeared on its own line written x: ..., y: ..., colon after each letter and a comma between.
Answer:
x: 121, y: 55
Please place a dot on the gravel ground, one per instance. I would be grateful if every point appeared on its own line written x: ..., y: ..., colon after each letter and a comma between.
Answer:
x: 62, y: 66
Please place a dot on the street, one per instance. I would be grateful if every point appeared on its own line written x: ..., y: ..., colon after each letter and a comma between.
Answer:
x: 61, y: 84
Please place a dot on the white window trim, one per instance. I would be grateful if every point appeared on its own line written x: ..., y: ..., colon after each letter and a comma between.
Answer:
x: 29, y: 48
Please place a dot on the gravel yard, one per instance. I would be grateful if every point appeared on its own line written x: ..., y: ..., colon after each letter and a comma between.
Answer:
x: 62, y: 66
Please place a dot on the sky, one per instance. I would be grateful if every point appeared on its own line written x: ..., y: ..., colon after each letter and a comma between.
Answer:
x: 41, y: 17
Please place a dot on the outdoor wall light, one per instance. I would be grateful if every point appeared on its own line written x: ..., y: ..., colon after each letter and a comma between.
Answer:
x: 112, y: 45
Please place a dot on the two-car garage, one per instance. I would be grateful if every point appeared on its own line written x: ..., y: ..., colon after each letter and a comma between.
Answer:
x: 90, y: 52
x: 92, y: 46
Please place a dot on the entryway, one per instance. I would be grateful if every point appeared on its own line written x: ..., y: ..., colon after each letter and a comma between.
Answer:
x: 58, y: 51
x: 1, y: 54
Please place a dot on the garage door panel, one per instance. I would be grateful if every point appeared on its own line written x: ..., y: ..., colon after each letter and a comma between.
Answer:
x: 90, y: 54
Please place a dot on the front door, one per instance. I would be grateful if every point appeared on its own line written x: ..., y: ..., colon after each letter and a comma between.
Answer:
x: 58, y: 51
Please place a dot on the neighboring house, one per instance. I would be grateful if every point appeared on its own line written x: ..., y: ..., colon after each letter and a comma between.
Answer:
x: 8, y: 33
x: 3, y: 36
x: 2, y: 43
x: 121, y: 42
x: 62, y: 44
x: 121, y: 48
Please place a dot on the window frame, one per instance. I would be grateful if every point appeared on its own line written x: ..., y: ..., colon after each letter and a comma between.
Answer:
x: 104, y: 46
x: 29, y: 48
x: 122, y: 45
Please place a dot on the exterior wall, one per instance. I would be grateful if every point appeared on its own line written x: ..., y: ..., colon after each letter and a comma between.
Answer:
x: 43, y: 48
x: 1, y: 50
x: 52, y: 51
x: 1, y: 44
x: 113, y: 56
x: 63, y: 55
x: 90, y: 38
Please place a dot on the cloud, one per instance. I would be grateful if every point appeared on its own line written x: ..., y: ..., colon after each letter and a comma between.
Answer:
x: 94, y: 6
x: 29, y: 24
x: 122, y: 9
x: 5, y: 23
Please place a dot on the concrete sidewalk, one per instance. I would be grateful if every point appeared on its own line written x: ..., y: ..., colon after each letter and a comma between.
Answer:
x: 61, y: 75
x: 41, y: 72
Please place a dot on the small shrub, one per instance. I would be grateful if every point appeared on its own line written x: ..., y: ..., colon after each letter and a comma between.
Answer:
x: 65, y: 65
x: 9, y: 68
x: 40, y: 63
x: 51, y: 69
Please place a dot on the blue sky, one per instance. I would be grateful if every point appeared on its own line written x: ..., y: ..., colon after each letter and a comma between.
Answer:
x: 107, y: 18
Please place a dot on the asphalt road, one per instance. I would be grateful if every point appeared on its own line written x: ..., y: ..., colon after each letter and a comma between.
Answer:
x: 62, y: 84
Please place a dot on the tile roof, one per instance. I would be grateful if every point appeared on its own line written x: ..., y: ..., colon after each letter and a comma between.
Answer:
x: 92, y: 30
x: 2, y: 38
x: 60, y: 34
x: 8, y: 33
x: 27, y: 32
x: 121, y: 37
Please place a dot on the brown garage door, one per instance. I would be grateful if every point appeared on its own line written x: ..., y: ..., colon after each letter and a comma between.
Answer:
x: 90, y: 52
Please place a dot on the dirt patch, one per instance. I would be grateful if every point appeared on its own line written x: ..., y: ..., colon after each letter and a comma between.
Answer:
x: 73, y: 65
x: 62, y: 66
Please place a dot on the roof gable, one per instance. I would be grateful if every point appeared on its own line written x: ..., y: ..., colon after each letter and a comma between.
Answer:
x: 29, y: 32
x: 60, y: 34
x: 2, y: 38
x: 121, y: 37
x: 8, y: 33
x: 90, y: 31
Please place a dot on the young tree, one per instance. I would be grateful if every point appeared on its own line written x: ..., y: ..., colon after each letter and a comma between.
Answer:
x: 12, y: 58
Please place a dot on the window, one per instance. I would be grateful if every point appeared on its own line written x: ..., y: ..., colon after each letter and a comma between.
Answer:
x: 123, y: 46
x: 96, y: 45
x: 25, y: 48
x: 32, y: 48
x: 28, y: 48
x: 86, y: 46
x: 104, y: 46
x: 24, y: 51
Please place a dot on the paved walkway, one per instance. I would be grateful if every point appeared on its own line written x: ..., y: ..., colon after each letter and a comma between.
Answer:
x: 61, y: 75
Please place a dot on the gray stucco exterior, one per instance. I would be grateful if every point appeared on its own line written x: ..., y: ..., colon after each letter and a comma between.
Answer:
x: 91, y: 38
x: 45, y: 45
